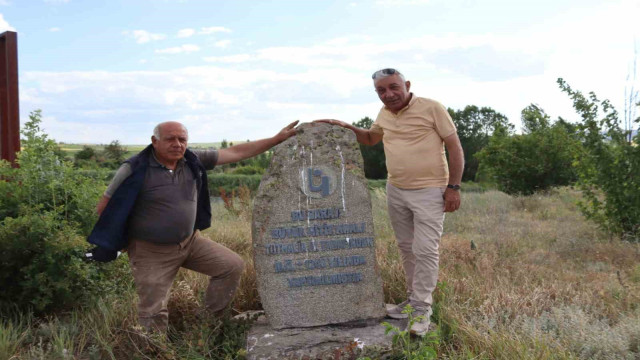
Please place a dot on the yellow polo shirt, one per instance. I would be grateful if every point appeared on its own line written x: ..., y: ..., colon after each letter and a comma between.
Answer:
x: 413, y: 143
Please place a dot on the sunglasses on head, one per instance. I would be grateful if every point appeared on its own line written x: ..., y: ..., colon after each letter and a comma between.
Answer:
x: 385, y: 72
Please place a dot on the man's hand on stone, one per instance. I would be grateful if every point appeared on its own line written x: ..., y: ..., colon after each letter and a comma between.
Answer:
x: 287, y: 132
x: 332, y: 122
x: 451, y: 200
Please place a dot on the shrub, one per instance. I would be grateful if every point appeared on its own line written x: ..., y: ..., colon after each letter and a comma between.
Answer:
x: 609, y: 166
x: 42, y: 266
x: 46, y: 208
x: 87, y: 153
x: 535, y: 161
x: 230, y: 182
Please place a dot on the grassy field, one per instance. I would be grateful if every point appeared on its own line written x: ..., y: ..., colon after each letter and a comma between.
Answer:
x: 71, y: 149
x: 521, y: 278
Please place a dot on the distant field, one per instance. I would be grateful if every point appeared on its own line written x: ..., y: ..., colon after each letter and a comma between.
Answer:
x: 71, y: 149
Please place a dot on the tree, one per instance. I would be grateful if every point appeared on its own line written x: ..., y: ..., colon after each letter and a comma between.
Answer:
x: 534, y: 119
x: 475, y: 126
x: 537, y: 160
x: 115, y: 151
x: 375, y: 166
x: 608, y: 167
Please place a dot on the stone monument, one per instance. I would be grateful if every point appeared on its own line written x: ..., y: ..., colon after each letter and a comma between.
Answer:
x: 314, y: 246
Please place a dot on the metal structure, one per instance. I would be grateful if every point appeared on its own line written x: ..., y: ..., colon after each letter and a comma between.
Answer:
x: 9, y: 107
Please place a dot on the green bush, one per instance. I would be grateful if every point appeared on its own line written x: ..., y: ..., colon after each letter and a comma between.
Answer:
x: 42, y: 266
x: 47, y: 181
x: 100, y: 175
x: 534, y: 161
x: 46, y: 209
x: 230, y: 182
x: 608, y: 167
x: 87, y: 153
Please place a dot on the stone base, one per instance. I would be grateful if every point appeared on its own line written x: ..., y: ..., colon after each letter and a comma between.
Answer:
x: 342, y: 341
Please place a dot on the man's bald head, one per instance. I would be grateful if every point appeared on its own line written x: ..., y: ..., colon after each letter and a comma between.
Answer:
x: 169, y: 142
x: 158, y: 130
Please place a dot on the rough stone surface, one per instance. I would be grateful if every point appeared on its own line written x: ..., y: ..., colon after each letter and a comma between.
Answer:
x: 314, y: 247
x: 325, y: 342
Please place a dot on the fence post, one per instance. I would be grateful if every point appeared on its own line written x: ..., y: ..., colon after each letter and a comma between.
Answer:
x: 9, y: 104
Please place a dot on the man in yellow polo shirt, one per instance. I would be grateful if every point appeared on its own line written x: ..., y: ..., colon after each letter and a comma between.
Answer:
x: 421, y: 186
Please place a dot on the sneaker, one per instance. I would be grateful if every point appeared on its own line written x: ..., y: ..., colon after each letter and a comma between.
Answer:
x: 420, y: 326
x: 396, y: 311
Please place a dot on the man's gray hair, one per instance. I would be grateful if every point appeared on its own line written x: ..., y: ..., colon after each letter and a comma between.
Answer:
x: 387, y: 72
x: 156, y: 130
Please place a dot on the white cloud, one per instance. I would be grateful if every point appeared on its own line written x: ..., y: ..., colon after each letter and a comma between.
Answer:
x: 186, y: 48
x: 255, y: 93
x: 72, y: 132
x: 338, y: 41
x: 287, y: 106
x: 5, y: 2
x: 54, y: 29
x: 222, y: 43
x: 142, y: 61
x: 143, y: 36
x: 4, y: 25
x: 57, y: 1
x: 212, y: 98
x: 185, y: 33
x: 240, y: 58
x: 214, y: 29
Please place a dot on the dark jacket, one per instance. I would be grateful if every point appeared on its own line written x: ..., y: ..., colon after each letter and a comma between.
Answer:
x: 110, y: 232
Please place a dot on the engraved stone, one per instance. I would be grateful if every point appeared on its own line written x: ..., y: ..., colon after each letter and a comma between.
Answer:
x: 313, y: 238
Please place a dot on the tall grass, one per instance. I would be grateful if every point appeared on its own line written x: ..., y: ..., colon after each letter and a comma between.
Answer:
x: 539, y: 282
x: 540, y: 276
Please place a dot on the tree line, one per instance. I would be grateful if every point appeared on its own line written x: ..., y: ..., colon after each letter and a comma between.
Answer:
x: 598, y: 154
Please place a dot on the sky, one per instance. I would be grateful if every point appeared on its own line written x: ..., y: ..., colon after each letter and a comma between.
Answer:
x: 238, y: 70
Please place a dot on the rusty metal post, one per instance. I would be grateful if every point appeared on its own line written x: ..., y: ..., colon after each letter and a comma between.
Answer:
x: 9, y: 107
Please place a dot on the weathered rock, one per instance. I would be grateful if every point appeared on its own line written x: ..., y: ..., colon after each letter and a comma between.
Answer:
x: 314, y: 248
x: 324, y: 342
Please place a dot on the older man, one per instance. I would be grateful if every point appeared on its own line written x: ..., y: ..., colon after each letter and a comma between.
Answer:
x: 421, y: 186
x: 155, y: 207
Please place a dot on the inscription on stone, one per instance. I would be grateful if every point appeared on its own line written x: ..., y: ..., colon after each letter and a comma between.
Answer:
x: 314, y: 247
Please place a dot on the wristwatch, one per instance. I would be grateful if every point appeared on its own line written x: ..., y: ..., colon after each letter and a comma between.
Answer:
x: 454, y: 187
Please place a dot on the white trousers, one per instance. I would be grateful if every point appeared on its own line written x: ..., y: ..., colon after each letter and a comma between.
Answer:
x: 417, y: 217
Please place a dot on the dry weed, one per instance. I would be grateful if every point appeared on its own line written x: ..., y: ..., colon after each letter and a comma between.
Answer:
x: 536, y: 257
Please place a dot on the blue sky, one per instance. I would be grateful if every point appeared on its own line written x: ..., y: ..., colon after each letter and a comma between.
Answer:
x: 237, y: 70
